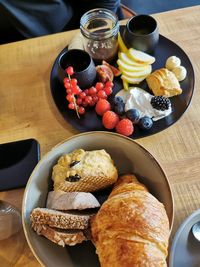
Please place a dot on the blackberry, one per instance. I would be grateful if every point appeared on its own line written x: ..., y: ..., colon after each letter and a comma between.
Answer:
x: 160, y: 102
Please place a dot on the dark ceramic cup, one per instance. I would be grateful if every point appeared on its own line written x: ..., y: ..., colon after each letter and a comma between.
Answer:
x: 141, y: 32
x: 83, y: 65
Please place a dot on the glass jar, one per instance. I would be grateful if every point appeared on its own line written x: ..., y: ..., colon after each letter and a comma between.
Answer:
x: 99, y: 28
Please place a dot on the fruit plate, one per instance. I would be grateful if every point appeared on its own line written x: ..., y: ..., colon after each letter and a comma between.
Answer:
x: 92, y: 122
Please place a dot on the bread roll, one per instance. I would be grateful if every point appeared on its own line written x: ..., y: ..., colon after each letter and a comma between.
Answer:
x: 131, y: 228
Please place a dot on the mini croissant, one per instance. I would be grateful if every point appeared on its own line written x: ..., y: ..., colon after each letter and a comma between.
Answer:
x: 131, y: 228
x: 163, y: 82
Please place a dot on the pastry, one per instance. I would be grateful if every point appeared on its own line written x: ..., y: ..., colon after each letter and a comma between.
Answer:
x: 84, y: 171
x: 131, y: 228
x: 59, y: 200
x: 163, y: 82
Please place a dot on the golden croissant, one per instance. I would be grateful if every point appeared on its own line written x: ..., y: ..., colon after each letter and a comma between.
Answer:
x: 131, y: 229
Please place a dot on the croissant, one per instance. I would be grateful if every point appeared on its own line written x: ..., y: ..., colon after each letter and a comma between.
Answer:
x: 164, y: 82
x: 131, y: 228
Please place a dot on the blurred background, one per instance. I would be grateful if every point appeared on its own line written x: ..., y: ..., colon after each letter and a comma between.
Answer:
x: 156, y: 6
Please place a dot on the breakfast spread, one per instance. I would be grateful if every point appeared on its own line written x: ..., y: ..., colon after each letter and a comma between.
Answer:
x: 131, y: 228
x: 130, y: 218
x: 143, y: 106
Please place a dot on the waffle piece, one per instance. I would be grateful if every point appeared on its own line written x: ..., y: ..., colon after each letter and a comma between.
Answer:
x: 163, y: 82
x: 58, y: 236
x: 60, y: 200
x: 84, y: 171
x: 58, y: 219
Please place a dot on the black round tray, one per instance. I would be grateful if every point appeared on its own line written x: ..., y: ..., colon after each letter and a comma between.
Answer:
x: 91, y: 121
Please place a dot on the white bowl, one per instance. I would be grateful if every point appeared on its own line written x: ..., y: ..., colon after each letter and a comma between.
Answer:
x: 129, y: 157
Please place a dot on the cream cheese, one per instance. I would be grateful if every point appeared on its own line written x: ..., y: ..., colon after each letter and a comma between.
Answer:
x: 141, y: 100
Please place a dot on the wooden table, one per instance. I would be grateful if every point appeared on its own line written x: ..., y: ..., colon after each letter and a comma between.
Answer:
x: 28, y: 111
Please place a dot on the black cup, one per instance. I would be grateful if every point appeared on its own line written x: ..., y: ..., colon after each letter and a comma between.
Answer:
x: 83, y: 65
x: 141, y: 32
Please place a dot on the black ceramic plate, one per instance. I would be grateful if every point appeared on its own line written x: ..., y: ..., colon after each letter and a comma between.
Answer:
x: 185, y: 248
x: 91, y: 121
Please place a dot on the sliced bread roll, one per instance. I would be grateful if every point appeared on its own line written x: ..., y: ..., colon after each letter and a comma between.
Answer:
x: 60, y: 200
x: 58, y: 219
x: 58, y: 236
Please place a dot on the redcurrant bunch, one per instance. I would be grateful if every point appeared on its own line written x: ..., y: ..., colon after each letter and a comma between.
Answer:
x: 80, y: 99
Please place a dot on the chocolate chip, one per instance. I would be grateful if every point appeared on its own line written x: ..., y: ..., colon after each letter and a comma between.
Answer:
x: 73, y: 178
x: 74, y: 163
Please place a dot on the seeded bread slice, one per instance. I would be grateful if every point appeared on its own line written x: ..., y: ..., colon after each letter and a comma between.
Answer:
x: 58, y: 219
x: 58, y: 236
x: 60, y: 200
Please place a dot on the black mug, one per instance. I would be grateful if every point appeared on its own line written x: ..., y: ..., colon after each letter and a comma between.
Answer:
x: 83, y: 65
x: 141, y: 32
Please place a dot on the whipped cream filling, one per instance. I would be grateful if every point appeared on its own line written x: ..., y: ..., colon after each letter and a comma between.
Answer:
x: 141, y: 100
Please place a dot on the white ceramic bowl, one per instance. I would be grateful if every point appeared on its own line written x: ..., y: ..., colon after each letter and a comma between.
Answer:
x: 129, y: 157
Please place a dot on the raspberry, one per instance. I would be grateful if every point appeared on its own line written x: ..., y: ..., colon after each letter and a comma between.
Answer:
x: 102, y: 106
x: 125, y: 127
x: 110, y: 120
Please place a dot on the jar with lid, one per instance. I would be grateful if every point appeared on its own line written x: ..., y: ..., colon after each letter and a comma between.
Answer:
x: 99, y: 28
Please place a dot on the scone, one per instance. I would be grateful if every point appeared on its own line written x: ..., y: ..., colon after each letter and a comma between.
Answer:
x: 163, y: 82
x: 84, y: 171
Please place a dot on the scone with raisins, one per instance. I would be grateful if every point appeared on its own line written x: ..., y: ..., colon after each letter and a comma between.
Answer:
x: 84, y: 171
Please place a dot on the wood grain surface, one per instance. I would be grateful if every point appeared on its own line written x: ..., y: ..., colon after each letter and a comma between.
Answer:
x: 28, y: 111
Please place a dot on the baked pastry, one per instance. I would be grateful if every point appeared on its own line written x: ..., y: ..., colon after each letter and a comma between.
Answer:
x: 60, y: 200
x: 58, y: 236
x: 131, y: 228
x: 163, y: 82
x: 84, y: 171
x: 58, y: 219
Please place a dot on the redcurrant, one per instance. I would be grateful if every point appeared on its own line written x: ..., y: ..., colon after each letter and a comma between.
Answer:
x: 99, y: 86
x: 71, y: 105
x: 70, y: 70
x: 102, y: 94
x: 81, y: 110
